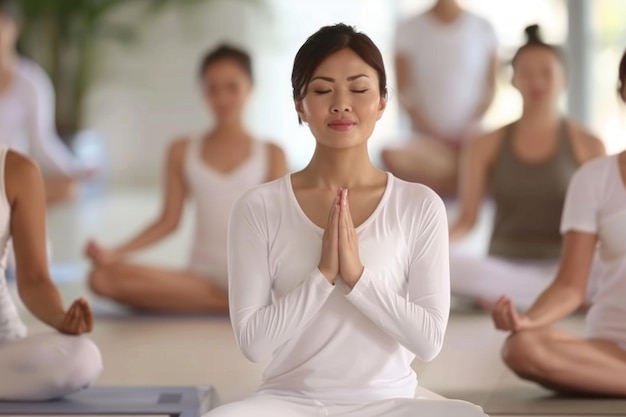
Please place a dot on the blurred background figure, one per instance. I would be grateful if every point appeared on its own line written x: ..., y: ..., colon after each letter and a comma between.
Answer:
x: 27, y: 110
x: 214, y: 169
x: 446, y: 61
x: 527, y: 166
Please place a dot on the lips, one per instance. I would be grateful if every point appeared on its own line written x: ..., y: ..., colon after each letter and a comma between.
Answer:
x: 342, y: 125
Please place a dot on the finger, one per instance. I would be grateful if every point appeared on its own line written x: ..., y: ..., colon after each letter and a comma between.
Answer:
x: 87, y: 315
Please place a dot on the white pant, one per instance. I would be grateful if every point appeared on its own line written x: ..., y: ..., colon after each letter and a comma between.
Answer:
x: 488, y: 278
x: 46, y: 366
x: 262, y: 405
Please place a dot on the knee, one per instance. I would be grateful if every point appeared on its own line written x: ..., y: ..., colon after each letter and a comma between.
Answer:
x: 524, y: 353
x: 100, y: 281
x: 87, y: 364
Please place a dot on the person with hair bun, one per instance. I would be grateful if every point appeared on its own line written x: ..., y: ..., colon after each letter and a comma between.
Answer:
x: 594, y: 221
x: 526, y: 166
x: 340, y: 272
x: 213, y: 169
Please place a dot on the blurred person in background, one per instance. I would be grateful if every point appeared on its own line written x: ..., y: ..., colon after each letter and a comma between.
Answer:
x: 526, y: 166
x: 27, y: 114
x: 446, y: 63
x: 213, y: 169
x: 594, y: 220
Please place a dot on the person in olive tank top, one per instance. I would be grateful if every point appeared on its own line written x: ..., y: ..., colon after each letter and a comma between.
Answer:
x: 212, y: 169
x: 526, y: 167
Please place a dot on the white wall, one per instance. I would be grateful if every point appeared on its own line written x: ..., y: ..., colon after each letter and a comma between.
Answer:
x: 147, y: 93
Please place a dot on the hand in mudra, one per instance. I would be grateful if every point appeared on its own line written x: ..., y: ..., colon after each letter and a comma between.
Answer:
x: 350, y: 266
x: 340, y: 244
x: 78, y: 319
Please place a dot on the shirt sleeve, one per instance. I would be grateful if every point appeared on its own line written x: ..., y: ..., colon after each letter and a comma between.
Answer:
x: 418, y: 320
x: 261, y: 324
x: 45, y: 144
x: 582, y: 200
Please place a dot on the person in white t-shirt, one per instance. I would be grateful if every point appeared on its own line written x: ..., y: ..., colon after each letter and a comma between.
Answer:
x: 594, y: 219
x: 340, y: 271
x: 27, y: 114
x: 446, y: 63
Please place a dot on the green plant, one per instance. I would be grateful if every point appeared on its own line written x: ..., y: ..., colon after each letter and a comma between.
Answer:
x: 61, y: 35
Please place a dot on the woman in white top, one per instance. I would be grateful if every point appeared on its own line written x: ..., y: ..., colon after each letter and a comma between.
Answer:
x: 27, y: 114
x: 446, y: 61
x: 594, y: 219
x: 213, y: 169
x: 45, y: 365
x: 339, y: 272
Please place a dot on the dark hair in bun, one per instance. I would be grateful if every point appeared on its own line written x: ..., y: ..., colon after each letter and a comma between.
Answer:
x: 534, y: 40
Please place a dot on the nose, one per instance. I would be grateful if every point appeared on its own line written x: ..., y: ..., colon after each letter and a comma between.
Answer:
x: 341, y: 104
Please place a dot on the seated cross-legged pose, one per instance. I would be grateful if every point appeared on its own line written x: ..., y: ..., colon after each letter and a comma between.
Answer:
x: 50, y: 364
x: 213, y: 169
x: 594, y: 219
x: 526, y: 166
x: 340, y: 271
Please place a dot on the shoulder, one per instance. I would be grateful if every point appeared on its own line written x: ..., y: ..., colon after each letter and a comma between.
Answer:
x: 178, y: 146
x: 487, y: 144
x: 595, y: 170
x: 407, y: 26
x: 587, y: 146
x: 274, y: 151
x: 21, y: 173
x: 31, y: 74
x: 414, y: 196
x: 258, y: 198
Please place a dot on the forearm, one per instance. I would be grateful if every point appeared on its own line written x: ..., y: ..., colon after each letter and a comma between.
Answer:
x: 418, y: 325
x: 460, y: 229
x: 260, y: 330
x: 557, y: 302
x: 151, y: 234
x: 42, y: 299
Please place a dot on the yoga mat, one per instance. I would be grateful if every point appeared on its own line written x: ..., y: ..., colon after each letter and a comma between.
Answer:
x: 171, y: 401
x: 535, y: 401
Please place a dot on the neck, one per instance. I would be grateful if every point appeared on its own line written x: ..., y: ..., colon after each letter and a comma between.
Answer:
x: 540, y: 116
x: 232, y: 131
x: 447, y: 10
x: 346, y: 168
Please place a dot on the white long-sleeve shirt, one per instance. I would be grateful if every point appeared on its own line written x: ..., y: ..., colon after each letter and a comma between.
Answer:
x: 328, y: 342
x: 27, y: 119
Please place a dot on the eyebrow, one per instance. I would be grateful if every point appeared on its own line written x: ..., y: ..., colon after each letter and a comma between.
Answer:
x: 332, y: 80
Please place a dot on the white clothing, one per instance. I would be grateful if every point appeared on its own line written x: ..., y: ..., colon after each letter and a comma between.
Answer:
x: 214, y: 193
x: 46, y: 366
x: 329, y: 344
x: 42, y: 366
x: 27, y: 119
x: 261, y: 405
x: 488, y: 278
x: 11, y: 327
x: 449, y: 65
x: 596, y: 203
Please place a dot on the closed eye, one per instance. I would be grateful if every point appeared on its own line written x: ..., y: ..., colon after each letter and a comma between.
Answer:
x: 361, y: 91
x: 321, y: 91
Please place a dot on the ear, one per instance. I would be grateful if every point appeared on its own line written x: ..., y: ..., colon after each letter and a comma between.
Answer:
x: 382, y: 105
x: 300, y: 111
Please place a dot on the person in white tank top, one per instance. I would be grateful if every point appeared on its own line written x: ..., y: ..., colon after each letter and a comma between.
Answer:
x: 594, y: 221
x: 50, y: 364
x: 212, y: 169
x: 27, y: 115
